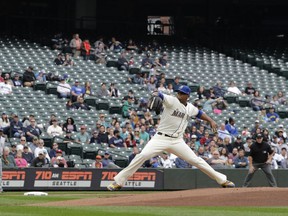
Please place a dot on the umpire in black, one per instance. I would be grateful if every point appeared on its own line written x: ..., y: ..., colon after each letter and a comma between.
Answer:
x: 260, y: 156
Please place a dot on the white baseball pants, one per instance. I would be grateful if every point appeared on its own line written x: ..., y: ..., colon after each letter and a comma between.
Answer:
x: 177, y: 146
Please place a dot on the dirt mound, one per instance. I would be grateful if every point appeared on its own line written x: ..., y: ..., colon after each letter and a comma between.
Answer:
x: 197, y: 197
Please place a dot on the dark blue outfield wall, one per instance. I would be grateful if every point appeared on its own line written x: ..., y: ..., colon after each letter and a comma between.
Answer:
x: 35, y: 179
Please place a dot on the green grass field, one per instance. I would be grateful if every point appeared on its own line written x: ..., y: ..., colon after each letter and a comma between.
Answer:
x: 12, y: 204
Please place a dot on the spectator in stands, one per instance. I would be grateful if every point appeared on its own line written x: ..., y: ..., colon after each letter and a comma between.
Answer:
x: 100, y: 54
x: 52, y: 152
x: 22, y: 143
x: 20, y: 161
x: 133, y: 155
x: 41, y: 76
x: 13, y: 150
x: 238, y: 143
x: 63, y: 89
x: 144, y: 136
x: 99, y: 41
x: 220, y: 105
x: 69, y: 125
x: 80, y: 104
x: 86, y: 48
x: 274, y: 101
x: 176, y: 83
x: 247, y: 145
x: 27, y: 155
x: 29, y: 78
x: 94, y: 137
x: 5, y: 124
x: 257, y: 101
x: 127, y: 108
x: 165, y: 161
x: 231, y: 128
x: 147, y: 62
x: 59, y: 60
x: 16, y: 81
x: 131, y: 94
x: 52, y: 117
x: 54, y: 129
x: 58, y: 161
x: 39, y: 161
x: 115, y: 45
x: 113, y: 91
x: 88, y: 89
x: 69, y: 105
x: 1, y: 78
x: 249, y: 90
x: 83, y: 136
x: 98, y: 162
x: 241, y: 161
x: 123, y: 63
x: 218, y: 90
x: 164, y: 60
x: 226, y: 156
x: 5, y: 88
x: 41, y: 148
x: 68, y: 60
x: 7, y: 79
x: 210, y: 103
x: 136, y: 79
x: 272, y: 115
x: 281, y: 97
x: 17, y: 129
x: 107, y: 162
x: 131, y: 45
x: 215, y: 161
x: 32, y: 130
x: 102, y: 136
x: 76, y: 44
x: 68, y: 137
x: 262, y: 116
x: 256, y: 126
x: 151, y: 85
x: 234, y: 89
x: 34, y: 144
x: 102, y: 120
x: 284, y: 158
x: 201, y: 93
x: 117, y: 140
x: 7, y: 159
x: 76, y: 91
x: 103, y: 92
x: 281, y: 137
x: 129, y: 140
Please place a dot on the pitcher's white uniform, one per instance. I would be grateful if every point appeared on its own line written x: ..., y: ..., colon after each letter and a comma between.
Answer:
x: 169, y: 137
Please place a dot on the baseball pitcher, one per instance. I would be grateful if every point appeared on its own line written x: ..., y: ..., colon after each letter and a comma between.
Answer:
x: 169, y: 137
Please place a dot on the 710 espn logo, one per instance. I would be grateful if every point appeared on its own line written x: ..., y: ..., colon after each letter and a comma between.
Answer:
x: 138, y: 180
x: 63, y: 179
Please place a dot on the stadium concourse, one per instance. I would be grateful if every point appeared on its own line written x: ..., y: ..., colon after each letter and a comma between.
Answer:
x: 222, y: 86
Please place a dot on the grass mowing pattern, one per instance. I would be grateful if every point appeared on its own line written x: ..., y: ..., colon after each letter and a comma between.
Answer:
x: 13, y: 204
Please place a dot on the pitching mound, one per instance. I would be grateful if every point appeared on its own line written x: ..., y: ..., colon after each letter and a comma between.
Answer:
x: 197, y: 197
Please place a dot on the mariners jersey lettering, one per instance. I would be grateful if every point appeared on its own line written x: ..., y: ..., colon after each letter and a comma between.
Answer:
x: 174, y: 118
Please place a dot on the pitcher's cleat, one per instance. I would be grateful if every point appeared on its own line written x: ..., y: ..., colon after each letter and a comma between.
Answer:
x: 228, y: 184
x: 114, y: 187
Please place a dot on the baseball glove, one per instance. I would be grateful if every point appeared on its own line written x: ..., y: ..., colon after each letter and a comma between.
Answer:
x: 155, y: 103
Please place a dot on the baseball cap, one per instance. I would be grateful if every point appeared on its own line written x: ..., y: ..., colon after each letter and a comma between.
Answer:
x: 116, y: 131
x: 184, y: 89
x: 239, y: 137
x: 76, y: 81
x: 98, y: 157
x: 83, y: 127
x: 194, y: 136
x: 35, y: 138
x: 107, y: 153
x: 248, y: 138
x: 62, y: 79
x: 256, y: 121
x: 59, y: 151
x: 3, y: 113
x: 259, y: 136
x: 280, y: 126
x: 40, y: 153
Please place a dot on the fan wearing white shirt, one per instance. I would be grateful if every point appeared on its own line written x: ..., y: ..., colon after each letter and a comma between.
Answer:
x: 64, y: 89
x: 54, y: 129
x: 234, y: 89
x: 41, y: 148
